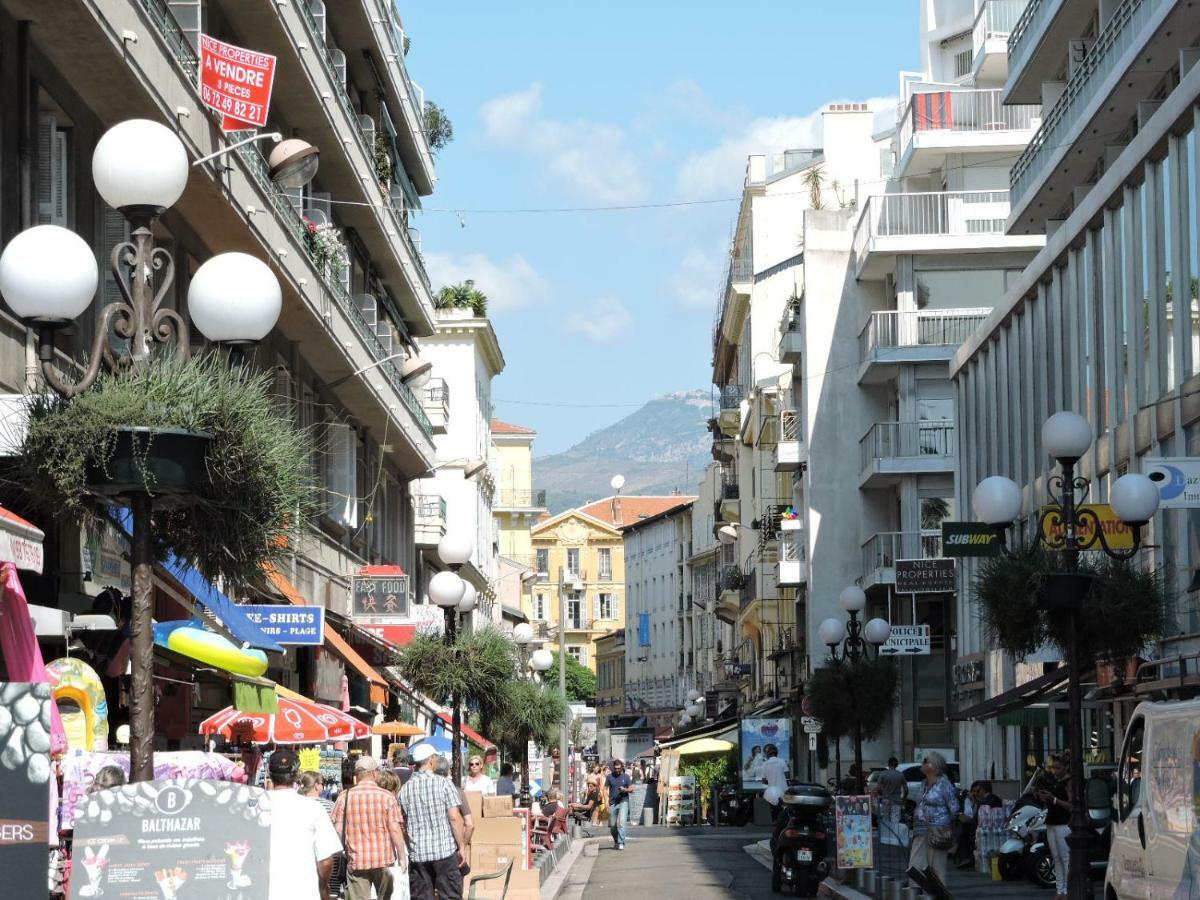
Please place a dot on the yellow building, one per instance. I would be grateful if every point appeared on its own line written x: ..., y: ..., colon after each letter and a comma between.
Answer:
x: 610, y: 677
x: 516, y: 506
x: 579, y: 558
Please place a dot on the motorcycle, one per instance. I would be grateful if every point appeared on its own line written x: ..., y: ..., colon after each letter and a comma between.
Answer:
x: 1026, y: 827
x: 733, y: 807
x: 798, y: 843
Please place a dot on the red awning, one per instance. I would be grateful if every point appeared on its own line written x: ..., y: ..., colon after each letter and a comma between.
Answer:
x: 20, y: 542
x: 469, y: 733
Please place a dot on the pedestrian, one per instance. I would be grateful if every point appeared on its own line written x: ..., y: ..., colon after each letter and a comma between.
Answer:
x: 937, y: 805
x: 389, y: 781
x: 442, y: 768
x: 303, y: 840
x: 635, y: 772
x: 618, y: 786
x: 436, y: 834
x: 372, y: 828
x: 892, y: 791
x: 309, y: 785
x: 505, y: 785
x: 1054, y: 791
x: 477, y: 780
x: 552, y: 803
x: 979, y: 797
x: 402, y: 765
x: 773, y: 772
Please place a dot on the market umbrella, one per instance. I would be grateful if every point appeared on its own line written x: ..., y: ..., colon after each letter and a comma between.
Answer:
x: 704, y: 745
x: 438, y: 742
x: 396, y: 729
x: 297, y: 722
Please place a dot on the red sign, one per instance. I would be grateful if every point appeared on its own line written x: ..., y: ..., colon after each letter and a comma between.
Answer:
x: 393, y: 634
x: 236, y: 83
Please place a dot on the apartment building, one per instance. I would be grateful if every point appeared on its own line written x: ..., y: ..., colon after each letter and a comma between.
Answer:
x: 708, y: 632
x: 610, y: 679
x: 459, y: 494
x: 517, y: 508
x: 657, y: 613
x: 1091, y: 325
x: 72, y: 69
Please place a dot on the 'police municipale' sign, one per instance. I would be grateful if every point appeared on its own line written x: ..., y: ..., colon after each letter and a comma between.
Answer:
x: 236, y: 82
x: 907, y: 640
x: 925, y: 576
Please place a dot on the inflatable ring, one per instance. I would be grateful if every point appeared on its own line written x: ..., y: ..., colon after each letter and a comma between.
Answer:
x: 189, y: 639
x: 75, y: 681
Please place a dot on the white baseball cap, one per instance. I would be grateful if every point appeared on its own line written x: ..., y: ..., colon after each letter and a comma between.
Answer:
x: 422, y: 752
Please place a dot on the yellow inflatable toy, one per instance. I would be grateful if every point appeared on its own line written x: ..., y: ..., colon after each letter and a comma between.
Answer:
x: 77, y: 690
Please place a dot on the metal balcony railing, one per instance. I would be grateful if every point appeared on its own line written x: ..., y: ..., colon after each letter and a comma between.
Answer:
x: 791, y: 546
x: 1032, y: 21
x: 730, y: 490
x: 732, y: 578
x: 880, y: 551
x: 917, y: 328
x: 431, y: 507
x: 731, y: 396
x: 933, y: 214
x: 996, y: 20
x: 789, y: 425
x: 1118, y: 34
x: 437, y: 392
x: 741, y: 268
x: 891, y: 440
x: 962, y: 111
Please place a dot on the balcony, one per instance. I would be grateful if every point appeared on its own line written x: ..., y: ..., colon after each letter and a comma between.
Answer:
x: 932, y: 223
x: 1122, y: 68
x: 730, y: 583
x: 880, y: 552
x: 436, y: 403
x: 731, y: 310
x: 938, y: 123
x: 892, y: 449
x: 510, y: 499
x: 1039, y: 43
x: 993, y: 25
x: 893, y: 337
x: 792, y: 568
x: 430, y: 520
x: 790, y: 452
x: 730, y: 505
x: 730, y: 418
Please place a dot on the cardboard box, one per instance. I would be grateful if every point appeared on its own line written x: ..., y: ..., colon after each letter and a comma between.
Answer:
x: 475, y: 802
x: 498, y: 831
x: 523, y: 884
x: 497, y: 807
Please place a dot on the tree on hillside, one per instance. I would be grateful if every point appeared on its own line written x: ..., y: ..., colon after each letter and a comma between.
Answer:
x: 581, y: 681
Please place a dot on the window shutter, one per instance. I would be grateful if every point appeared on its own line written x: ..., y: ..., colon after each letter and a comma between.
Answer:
x: 616, y: 608
x: 583, y: 655
x: 341, y: 475
x: 597, y: 611
x: 52, y: 175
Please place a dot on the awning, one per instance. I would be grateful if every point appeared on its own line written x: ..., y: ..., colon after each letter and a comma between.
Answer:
x: 334, y: 641
x: 1016, y: 698
x: 512, y: 613
x: 20, y: 542
x: 722, y: 730
x: 468, y: 732
x: 221, y: 607
x: 397, y: 729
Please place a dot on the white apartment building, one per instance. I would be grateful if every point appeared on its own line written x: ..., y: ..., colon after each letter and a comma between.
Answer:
x: 454, y: 499
x: 1092, y: 325
x: 657, y: 624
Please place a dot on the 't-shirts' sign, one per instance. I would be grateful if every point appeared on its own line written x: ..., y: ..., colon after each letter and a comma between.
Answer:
x: 925, y: 576
x: 295, y: 625
x: 236, y: 82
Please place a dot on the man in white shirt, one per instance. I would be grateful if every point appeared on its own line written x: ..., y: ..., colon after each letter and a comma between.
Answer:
x: 774, y: 772
x: 303, y: 840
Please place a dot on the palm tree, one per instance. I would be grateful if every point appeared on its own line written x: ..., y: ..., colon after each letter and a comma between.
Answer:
x: 463, y: 295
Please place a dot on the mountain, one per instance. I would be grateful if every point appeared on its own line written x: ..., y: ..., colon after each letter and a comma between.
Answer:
x: 663, y: 447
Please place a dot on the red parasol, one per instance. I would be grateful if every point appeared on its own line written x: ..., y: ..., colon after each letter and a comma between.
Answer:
x: 297, y: 722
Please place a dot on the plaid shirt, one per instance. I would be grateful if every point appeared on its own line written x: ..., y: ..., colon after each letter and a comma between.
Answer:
x: 427, y: 800
x: 368, y: 838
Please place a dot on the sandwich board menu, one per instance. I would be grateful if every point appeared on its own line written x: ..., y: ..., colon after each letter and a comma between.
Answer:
x: 24, y: 788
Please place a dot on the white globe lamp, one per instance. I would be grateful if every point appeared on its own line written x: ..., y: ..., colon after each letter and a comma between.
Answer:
x: 140, y: 166
x: 48, y: 274
x: 446, y: 589
x: 1134, y: 499
x: 523, y: 633
x: 455, y: 549
x: 996, y: 500
x: 234, y: 298
x: 1066, y: 435
x: 293, y: 163
x: 695, y: 710
x: 877, y: 631
x: 727, y: 534
x: 853, y: 599
x: 541, y: 660
x: 831, y: 632
x: 694, y: 695
x: 470, y: 598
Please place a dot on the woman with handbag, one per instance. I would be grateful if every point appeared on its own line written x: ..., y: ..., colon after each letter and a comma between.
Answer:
x: 933, y: 837
x: 1054, y: 791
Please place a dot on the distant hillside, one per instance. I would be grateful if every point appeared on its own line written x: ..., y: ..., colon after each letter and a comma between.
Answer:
x: 662, y: 447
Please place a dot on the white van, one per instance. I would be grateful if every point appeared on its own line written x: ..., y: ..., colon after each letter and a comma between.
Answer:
x: 1155, y: 846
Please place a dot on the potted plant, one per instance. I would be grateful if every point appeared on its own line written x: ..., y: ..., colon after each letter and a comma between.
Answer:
x: 383, y: 161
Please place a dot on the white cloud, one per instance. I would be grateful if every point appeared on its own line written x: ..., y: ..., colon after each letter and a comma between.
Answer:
x: 694, y: 282
x: 509, y: 284
x: 605, y: 319
x: 720, y: 170
x: 591, y: 159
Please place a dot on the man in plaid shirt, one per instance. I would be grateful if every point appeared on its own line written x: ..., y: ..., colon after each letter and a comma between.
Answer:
x: 372, y: 828
x: 435, y: 830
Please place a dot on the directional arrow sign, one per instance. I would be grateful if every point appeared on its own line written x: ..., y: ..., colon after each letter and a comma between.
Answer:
x: 812, y: 742
x: 907, y: 640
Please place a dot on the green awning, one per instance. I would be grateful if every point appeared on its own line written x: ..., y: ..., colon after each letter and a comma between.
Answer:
x: 1029, y: 717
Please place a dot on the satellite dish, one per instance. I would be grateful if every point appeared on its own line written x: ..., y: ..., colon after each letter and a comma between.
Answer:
x: 618, y: 482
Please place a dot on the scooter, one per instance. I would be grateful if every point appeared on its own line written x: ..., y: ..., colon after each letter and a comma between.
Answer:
x: 1026, y: 827
x: 798, y: 844
x: 733, y: 807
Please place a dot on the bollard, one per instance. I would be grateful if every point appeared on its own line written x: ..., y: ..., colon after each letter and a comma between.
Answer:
x: 910, y: 892
x: 868, y: 885
x: 647, y: 815
x: 884, y: 887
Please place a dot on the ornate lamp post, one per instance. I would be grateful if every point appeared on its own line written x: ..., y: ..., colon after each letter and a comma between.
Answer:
x: 1134, y: 498
x: 48, y: 276
x: 448, y: 590
x: 857, y: 641
x: 538, y: 662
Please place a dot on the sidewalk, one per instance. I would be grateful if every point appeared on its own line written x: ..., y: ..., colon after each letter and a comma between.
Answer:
x: 964, y: 885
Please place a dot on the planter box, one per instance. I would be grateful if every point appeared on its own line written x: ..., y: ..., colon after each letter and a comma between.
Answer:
x: 163, y: 462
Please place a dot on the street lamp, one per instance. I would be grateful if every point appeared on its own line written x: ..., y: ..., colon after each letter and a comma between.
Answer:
x: 448, y: 590
x: 857, y: 641
x: 48, y: 276
x: 1134, y: 498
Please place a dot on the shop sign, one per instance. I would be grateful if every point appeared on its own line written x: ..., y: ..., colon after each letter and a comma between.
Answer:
x: 236, y: 82
x: 1117, y: 534
x: 25, y: 788
x: 291, y: 625
x: 738, y: 669
x: 1178, y: 481
x: 379, y: 597
x: 754, y: 736
x: 925, y: 576
x: 971, y: 539
x: 968, y: 672
x: 907, y: 640
x: 204, y: 840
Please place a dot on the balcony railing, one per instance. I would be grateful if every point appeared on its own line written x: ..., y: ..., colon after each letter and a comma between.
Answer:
x: 1118, y: 34
x: 522, y: 499
x: 917, y: 328
x: 791, y: 546
x: 936, y: 214
x: 890, y: 440
x: 790, y: 425
x: 1031, y: 22
x: 741, y: 268
x: 963, y: 111
x: 996, y: 20
x: 883, y: 549
x: 431, y: 507
x: 731, y: 396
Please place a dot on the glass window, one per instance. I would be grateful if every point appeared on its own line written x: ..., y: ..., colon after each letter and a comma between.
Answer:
x: 1129, y: 779
x: 605, y: 606
x: 573, y: 561
x: 957, y: 289
x: 539, y: 606
x: 604, y: 558
x: 543, y: 561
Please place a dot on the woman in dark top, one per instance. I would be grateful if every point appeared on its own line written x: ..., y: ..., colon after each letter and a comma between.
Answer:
x: 1055, y: 793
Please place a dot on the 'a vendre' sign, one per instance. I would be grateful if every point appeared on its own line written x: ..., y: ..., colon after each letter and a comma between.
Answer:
x: 236, y: 82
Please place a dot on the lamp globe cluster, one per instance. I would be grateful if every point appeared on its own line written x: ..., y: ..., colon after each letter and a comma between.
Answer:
x: 541, y: 660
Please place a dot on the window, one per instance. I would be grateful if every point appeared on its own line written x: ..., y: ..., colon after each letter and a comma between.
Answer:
x: 1130, y: 771
x: 575, y: 611
x: 604, y: 558
x: 576, y: 653
x: 605, y: 609
x: 573, y: 561
x: 53, y: 172
x: 543, y: 562
x: 539, y: 606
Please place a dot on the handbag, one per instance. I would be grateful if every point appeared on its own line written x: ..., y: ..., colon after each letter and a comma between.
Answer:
x: 399, y: 881
x: 941, y: 837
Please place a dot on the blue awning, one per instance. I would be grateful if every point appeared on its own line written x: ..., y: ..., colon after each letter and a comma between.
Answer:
x: 223, y: 608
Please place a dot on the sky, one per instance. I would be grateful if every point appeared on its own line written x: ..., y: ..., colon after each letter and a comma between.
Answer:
x: 562, y: 105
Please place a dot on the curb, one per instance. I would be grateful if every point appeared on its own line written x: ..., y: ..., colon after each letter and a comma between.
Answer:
x: 568, y: 880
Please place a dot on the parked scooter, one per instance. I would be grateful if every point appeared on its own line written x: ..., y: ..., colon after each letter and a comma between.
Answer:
x: 732, y: 806
x: 798, y: 844
x: 1026, y: 826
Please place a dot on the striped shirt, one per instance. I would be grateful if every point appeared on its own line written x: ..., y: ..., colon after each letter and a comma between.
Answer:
x: 366, y: 812
x: 427, y: 800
